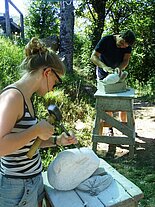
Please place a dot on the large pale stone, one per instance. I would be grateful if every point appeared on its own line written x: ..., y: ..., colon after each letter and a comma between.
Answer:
x: 111, y: 88
x: 71, y: 167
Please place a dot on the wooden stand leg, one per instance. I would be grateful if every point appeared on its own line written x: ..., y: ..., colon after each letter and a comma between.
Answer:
x: 131, y: 151
x: 101, y: 128
x: 94, y: 146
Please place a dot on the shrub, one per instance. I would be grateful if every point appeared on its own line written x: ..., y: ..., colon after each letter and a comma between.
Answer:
x: 11, y: 57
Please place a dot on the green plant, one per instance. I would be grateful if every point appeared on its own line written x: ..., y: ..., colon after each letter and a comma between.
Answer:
x: 11, y: 57
x: 42, y: 19
x: 82, y: 54
x: 144, y: 91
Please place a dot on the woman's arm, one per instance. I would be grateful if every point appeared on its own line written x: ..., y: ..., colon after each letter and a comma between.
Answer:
x: 11, y: 105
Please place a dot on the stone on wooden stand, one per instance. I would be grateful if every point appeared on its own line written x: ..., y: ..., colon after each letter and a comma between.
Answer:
x: 112, y: 88
x: 112, y: 102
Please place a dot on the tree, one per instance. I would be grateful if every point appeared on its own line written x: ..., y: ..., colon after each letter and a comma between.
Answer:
x: 66, y: 33
x: 143, y: 23
x: 120, y: 12
x: 95, y: 11
x: 119, y: 15
x: 42, y: 19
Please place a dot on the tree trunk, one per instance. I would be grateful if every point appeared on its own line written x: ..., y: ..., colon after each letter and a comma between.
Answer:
x: 66, y: 33
x: 99, y: 7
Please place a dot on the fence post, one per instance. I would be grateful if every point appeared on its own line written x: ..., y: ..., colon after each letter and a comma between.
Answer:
x: 7, y: 19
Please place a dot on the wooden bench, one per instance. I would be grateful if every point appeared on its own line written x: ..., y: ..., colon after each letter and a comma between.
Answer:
x: 121, y: 193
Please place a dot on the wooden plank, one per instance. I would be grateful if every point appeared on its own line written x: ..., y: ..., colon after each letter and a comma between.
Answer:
x: 7, y: 19
x: 15, y: 7
x: 130, y: 94
x: 73, y: 198
x: 131, y: 151
x: 128, y: 186
x: 97, y: 123
x: 130, y: 120
x: 115, y: 195
x: 91, y: 201
x: 117, y: 124
x: 113, y: 139
x: 114, y: 104
x: 61, y: 198
x: 64, y: 198
x: 96, y: 129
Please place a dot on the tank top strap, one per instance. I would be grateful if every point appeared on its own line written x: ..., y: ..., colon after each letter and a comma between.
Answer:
x: 11, y: 87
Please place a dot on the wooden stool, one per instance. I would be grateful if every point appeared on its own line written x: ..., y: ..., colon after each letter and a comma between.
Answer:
x: 112, y: 103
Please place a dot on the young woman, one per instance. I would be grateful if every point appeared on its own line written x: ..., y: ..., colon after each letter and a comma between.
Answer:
x: 21, y: 182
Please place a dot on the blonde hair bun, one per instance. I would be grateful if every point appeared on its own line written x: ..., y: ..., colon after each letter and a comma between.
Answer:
x: 34, y: 47
x: 38, y: 56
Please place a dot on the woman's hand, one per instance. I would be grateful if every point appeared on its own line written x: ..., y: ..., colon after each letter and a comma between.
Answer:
x: 44, y: 129
x: 65, y: 140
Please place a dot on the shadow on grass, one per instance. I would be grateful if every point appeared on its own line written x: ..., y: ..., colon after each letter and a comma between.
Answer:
x: 145, y: 152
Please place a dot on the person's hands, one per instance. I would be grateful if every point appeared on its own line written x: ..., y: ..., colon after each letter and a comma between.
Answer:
x: 44, y: 130
x: 108, y: 69
x: 65, y: 140
x: 118, y: 71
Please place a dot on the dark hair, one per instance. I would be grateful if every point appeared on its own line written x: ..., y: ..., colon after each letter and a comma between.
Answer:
x: 129, y: 37
x: 39, y: 56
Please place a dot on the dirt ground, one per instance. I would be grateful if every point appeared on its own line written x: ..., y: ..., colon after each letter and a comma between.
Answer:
x: 144, y: 114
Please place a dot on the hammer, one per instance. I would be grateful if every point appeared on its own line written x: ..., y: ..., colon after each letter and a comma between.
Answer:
x: 55, y: 115
x: 54, y: 110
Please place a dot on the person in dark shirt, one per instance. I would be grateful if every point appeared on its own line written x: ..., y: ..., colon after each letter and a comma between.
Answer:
x: 112, y: 53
